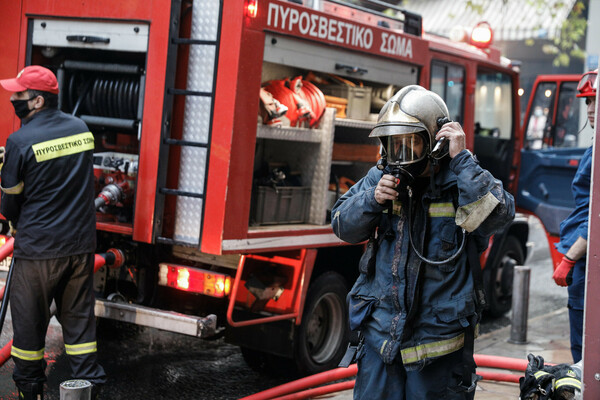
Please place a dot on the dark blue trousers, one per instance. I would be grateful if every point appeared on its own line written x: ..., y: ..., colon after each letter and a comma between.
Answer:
x: 378, y: 381
x: 576, y: 305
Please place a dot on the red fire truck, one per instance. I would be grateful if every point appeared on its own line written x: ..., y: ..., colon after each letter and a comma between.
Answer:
x: 556, y: 134
x: 221, y: 221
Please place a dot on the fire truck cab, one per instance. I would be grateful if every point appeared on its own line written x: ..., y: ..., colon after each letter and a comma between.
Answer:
x: 556, y: 134
x: 222, y: 220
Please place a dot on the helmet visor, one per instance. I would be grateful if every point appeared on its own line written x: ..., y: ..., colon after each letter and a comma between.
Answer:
x: 589, y: 81
x: 406, y: 148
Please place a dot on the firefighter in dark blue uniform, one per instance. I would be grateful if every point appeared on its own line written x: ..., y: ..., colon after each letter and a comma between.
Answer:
x: 428, y: 216
x: 48, y: 196
x: 574, y: 229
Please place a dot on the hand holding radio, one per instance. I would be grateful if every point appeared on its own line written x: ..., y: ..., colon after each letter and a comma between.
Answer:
x: 386, y: 189
x: 450, y: 134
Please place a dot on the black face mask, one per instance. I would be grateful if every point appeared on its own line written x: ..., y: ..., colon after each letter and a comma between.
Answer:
x: 21, y: 107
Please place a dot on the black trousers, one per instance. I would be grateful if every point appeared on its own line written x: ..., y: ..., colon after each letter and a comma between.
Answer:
x: 67, y: 281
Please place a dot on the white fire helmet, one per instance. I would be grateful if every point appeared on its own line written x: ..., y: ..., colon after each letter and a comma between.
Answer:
x: 407, y: 125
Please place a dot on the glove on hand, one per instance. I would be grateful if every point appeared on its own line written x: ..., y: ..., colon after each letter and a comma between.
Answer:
x: 563, y: 276
x: 567, y: 385
x: 537, y: 383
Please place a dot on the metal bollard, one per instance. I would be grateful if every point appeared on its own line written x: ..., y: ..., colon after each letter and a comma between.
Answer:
x: 76, y: 389
x: 520, y: 305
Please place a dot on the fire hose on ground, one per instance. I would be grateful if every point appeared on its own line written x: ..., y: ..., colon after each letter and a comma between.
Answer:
x: 113, y: 258
x: 305, y: 388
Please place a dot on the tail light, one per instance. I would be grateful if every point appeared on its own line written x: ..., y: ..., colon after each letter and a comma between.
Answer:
x: 194, y: 280
x: 251, y: 8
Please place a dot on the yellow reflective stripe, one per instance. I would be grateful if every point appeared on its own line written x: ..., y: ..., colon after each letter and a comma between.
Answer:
x: 17, y: 189
x: 83, y: 348
x: 434, y: 349
x: 441, y: 210
x: 567, y: 381
x: 28, y: 355
x: 539, y: 374
x: 64, y: 146
x: 383, y: 346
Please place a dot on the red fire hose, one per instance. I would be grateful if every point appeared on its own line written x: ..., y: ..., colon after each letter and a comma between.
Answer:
x: 484, y: 361
x: 304, y: 383
x: 5, y: 251
x: 300, y: 389
x: 498, y: 376
x: 7, y: 248
x: 310, y: 393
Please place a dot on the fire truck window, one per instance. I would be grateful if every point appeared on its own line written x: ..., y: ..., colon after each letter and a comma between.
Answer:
x: 568, y: 120
x: 493, y: 105
x: 447, y: 80
x: 494, y: 122
x: 539, y: 126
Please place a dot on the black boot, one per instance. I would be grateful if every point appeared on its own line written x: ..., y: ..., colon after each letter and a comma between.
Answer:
x: 31, y: 391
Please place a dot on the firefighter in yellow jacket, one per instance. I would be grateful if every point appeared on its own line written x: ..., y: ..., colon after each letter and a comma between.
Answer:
x: 48, y: 196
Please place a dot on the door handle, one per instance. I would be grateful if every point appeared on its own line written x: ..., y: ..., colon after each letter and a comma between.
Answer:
x: 351, y: 69
x: 87, y: 39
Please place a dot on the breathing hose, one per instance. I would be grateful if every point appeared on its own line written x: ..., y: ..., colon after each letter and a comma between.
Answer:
x: 424, y: 259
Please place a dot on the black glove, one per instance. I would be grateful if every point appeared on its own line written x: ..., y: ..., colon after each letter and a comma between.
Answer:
x: 537, y: 383
x: 568, y: 381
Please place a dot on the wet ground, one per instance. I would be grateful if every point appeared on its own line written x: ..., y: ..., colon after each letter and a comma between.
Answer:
x: 145, y: 363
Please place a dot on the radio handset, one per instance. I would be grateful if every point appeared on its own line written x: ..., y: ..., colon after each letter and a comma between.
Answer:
x: 441, y: 147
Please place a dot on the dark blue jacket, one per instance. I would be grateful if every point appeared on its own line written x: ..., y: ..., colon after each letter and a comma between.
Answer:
x: 407, y: 306
x: 48, y: 186
x: 576, y: 225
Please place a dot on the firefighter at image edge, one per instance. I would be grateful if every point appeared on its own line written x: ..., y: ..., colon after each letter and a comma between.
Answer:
x: 48, y: 196
x: 427, y: 214
x: 574, y: 229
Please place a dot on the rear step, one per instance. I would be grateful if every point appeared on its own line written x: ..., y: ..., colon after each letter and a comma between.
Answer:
x: 166, y: 320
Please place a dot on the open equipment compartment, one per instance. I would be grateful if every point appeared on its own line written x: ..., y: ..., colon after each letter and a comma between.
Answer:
x: 340, y: 149
x: 101, y: 71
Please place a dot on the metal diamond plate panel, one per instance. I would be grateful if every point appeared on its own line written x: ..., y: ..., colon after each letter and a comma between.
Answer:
x: 201, y: 68
x: 196, y: 119
x: 205, y: 19
x: 192, y: 169
x: 322, y: 170
x: 312, y: 160
x: 187, y: 220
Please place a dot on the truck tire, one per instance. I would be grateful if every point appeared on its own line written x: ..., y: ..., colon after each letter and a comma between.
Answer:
x: 322, y: 337
x: 498, y: 278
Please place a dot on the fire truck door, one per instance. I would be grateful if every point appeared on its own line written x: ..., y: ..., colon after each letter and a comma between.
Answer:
x: 555, y: 139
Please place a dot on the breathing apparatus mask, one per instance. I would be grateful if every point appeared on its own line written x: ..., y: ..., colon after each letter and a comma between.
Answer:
x: 407, y: 126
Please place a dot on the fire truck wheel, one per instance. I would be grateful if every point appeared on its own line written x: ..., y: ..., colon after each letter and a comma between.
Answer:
x: 498, y: 278
x: 322, y: 337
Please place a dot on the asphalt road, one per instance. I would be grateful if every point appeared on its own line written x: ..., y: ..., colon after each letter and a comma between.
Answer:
x: 145, y: 363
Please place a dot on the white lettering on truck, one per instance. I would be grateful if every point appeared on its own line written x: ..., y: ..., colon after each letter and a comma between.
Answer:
x: 396, y: 45
x: 321, y: 27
